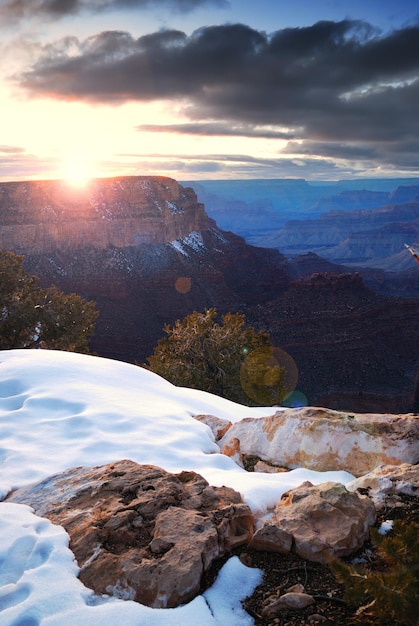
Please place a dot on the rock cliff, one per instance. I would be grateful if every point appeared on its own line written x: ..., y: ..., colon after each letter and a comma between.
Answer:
x: 46, y: 216
x: 142, y: 247
x: 357, y: 236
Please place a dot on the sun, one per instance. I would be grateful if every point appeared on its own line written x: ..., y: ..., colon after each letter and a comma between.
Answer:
x: 77, y: 172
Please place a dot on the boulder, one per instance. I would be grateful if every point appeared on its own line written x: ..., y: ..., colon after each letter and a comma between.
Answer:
x: 218, y: 425
x: 295, y: 601
x: 321, y: 522
x: 323, y: 439
x: 139, y: 532
x: 387, y: 483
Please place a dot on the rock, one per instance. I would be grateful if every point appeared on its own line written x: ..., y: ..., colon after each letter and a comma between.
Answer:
x: 386, y: 483
x: 272, y: 539
x: 324, y: 521
x: 232, y: 449
x: 297, y: 588
x: 316, y: 618
x: 295, y: 600
x: 263, y: 467
x: 142, y: 247
x: 323, y: 439
x: 354, y: 348
x: 218, y: 425
x: 45, y: 216
x: 139, y: 532
x: 291, y: 600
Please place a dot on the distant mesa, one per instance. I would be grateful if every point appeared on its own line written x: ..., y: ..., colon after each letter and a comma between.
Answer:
x: 118, y: 212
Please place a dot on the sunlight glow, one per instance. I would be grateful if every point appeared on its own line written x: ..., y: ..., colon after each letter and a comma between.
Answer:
x: 77, y: 172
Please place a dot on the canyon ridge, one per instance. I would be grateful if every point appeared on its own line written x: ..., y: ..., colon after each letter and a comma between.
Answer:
x: 146, y: 251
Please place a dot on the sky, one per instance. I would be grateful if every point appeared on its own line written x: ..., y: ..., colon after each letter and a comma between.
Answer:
x: 209, y: 89
x: 60, y: 410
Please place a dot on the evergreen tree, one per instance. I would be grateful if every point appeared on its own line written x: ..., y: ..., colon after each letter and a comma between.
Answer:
x: 227, y: 358
x: 34, y: 317
x: 392, y: 590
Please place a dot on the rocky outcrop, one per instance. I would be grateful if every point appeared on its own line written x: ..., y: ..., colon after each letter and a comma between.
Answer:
x: 46, y: 216
x: 320, y: 522
x: 322, y: 439
x: 145, y: 251
x: 387, y: 484
x: 139, y: 532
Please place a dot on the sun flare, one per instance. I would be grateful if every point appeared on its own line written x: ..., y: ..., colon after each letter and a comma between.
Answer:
x: 77, y: 172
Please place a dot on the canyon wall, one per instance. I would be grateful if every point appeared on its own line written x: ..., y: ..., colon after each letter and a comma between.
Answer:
x: 144, y: 249
x: 46, y: 216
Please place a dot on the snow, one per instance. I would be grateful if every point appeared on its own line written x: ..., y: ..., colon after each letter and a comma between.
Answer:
x: 60, y: 410
x: 193, y: 240
x: 386, y: 526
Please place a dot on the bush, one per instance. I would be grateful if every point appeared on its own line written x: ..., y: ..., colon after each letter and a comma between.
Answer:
x: 392, y: 591
x: 33, y: 317
x: 226, y: 359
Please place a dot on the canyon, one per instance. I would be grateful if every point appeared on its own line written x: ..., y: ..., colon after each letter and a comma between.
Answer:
x: 146, y: 251
x: 362, y: 225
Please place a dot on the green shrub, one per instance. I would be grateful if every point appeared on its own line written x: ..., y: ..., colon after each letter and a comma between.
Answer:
x: 227, y: 358
x: 392, y: 591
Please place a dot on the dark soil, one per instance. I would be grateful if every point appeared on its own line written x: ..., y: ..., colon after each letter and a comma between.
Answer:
x: 283, y: 571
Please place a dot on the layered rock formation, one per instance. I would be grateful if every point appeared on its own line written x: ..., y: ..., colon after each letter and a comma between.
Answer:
x: 362, y: 236
x: 354, y: 349
x: 46, y: 216
x: 142, y: 247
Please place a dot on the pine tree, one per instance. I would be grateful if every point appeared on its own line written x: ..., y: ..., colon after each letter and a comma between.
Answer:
x: 392, y: 591
x: 34, y: 317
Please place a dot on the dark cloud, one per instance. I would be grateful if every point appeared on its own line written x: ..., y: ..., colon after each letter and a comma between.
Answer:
x: 340, y: 82
x: 215, y: 129
x: 55, y: 9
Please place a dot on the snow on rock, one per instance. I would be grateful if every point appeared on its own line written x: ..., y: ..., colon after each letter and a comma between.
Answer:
x: 60, y: 410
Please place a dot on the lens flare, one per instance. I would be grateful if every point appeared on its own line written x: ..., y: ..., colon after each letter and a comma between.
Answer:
x: 268, y: 375
x: 183, y: 284
x: 295, y: 400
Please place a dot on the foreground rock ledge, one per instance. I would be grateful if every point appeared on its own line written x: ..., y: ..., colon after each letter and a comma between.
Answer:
x: 140, y: 533
x: 319, y: 521
x: 321, y: 439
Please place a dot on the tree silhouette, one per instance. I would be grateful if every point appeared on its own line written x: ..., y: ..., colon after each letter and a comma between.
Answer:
x: 33, y: 317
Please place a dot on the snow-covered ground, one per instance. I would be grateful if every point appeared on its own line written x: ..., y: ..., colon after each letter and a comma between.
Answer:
x: 60, y: 410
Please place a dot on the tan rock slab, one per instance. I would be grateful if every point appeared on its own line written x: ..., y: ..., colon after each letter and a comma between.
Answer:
x: 324, y: 521
x: 323, y: 439
x: 139, y: 532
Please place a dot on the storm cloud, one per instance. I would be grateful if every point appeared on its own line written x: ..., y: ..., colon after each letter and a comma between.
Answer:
x: 55, y: 9
x: 342, y: 82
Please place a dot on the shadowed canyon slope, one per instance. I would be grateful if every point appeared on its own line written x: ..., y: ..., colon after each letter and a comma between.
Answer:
x: 146, y: 251
x: 142, y: 247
